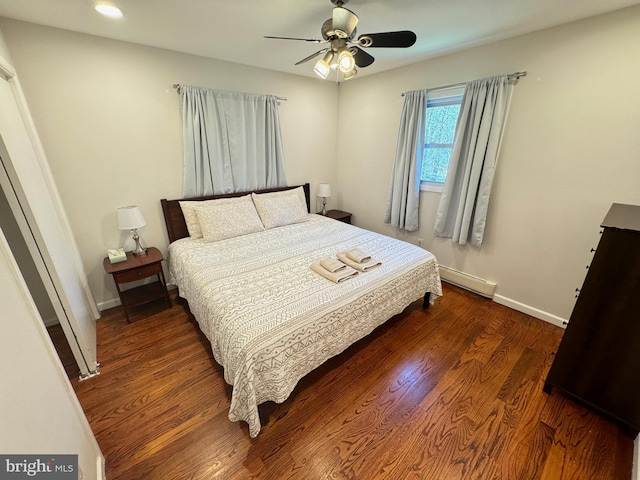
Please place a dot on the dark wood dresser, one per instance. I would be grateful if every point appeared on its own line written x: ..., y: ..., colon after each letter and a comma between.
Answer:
x: 598, y: 361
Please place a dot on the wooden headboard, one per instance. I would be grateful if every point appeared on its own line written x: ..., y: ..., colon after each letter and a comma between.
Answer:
x: 174, y: 220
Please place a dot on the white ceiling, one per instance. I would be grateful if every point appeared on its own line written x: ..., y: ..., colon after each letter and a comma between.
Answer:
x: 233, y: 29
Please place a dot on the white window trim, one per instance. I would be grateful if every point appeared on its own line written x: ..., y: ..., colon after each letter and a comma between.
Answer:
x: 431, y: 187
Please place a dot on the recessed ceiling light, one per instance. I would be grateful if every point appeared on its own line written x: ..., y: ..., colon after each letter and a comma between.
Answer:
x: 108, y: 10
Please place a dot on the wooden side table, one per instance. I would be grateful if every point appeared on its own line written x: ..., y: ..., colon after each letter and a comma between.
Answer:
x: 138, y: 267
x: 339, y: 215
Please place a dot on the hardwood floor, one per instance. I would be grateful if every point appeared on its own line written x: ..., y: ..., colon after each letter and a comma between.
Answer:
x: 451, y: 392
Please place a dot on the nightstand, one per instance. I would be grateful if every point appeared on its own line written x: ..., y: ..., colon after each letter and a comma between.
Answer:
x: 339, y: 215
x: 139, y: 267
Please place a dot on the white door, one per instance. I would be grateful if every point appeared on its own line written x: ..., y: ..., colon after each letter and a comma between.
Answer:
x: 27, y: 183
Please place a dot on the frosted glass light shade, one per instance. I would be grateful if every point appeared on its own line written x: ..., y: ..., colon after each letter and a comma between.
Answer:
x: 130, y: 218
x: 324, y: 190
x: 351, y: 74
x: 322, y: 69
x: 346, y: 62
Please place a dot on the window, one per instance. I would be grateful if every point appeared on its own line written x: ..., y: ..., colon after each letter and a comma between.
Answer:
x: 440, y: 125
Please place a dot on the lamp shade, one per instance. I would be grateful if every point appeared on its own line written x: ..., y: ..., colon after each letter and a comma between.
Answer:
x: 322, y: 68
x: 346, y: 62
x: 324, y: 190
x: 130, y: 218
x: 351, y: 74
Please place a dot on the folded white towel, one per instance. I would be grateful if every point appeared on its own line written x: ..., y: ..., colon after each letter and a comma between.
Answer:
x: 332, y: 264
x: 362, y: 267
x: 336, y: 277
x: 357, y: 255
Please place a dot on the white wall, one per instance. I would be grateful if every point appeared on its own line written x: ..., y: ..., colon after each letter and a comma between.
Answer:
x: 571, y: 148
x: 109, y: 121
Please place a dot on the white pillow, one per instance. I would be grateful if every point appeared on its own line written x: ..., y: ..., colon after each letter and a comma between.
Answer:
x: 281, y: 208
x: 221, y: 219
x: 191, y: 218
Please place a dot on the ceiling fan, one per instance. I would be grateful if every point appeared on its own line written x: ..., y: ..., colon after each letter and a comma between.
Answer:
x: 343, y: 53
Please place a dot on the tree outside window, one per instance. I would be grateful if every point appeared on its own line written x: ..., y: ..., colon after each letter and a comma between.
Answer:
x: 440, y: 126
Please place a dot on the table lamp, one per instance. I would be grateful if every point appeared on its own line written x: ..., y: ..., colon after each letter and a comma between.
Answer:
x: 324, y: 191
x: 130, y: 218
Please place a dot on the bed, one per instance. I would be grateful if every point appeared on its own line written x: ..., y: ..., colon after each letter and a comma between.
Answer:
x: 269, y: 317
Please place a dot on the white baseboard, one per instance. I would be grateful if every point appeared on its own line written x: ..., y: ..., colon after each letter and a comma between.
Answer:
x: 534, y: 312
x: 114, y: 302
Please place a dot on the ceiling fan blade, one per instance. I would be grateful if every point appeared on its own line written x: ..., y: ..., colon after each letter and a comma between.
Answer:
x: 319, y: 52
x: 401, y: 39
x: 362, y: 58
x: 344, y: 22
x: 311, y: 40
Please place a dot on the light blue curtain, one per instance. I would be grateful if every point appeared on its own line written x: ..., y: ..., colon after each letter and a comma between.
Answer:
x: 404, y: 189
x: 464, y: 201
x: 232, y: 142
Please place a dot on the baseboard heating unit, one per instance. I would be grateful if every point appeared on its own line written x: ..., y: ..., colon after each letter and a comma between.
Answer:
x: 469, y: 282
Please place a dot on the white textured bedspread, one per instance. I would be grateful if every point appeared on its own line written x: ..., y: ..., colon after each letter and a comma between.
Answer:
x: 271, y: 319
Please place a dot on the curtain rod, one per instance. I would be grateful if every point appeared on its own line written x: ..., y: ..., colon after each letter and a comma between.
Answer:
x: 511, y: 76
x: 177, y: 86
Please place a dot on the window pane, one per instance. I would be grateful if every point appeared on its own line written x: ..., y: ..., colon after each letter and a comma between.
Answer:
x: 441, y: 123
x: 435, y: 164
x: 440, y: 129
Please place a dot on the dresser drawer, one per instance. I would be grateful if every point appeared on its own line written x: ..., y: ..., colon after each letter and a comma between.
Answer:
x: 138, y: 273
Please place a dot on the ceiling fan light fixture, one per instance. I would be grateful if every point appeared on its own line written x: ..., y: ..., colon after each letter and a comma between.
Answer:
x: 323, y: 67
x: 346, y: 62
x: 334, y: 63
x: 344, y: 51
x: 349, y: 75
